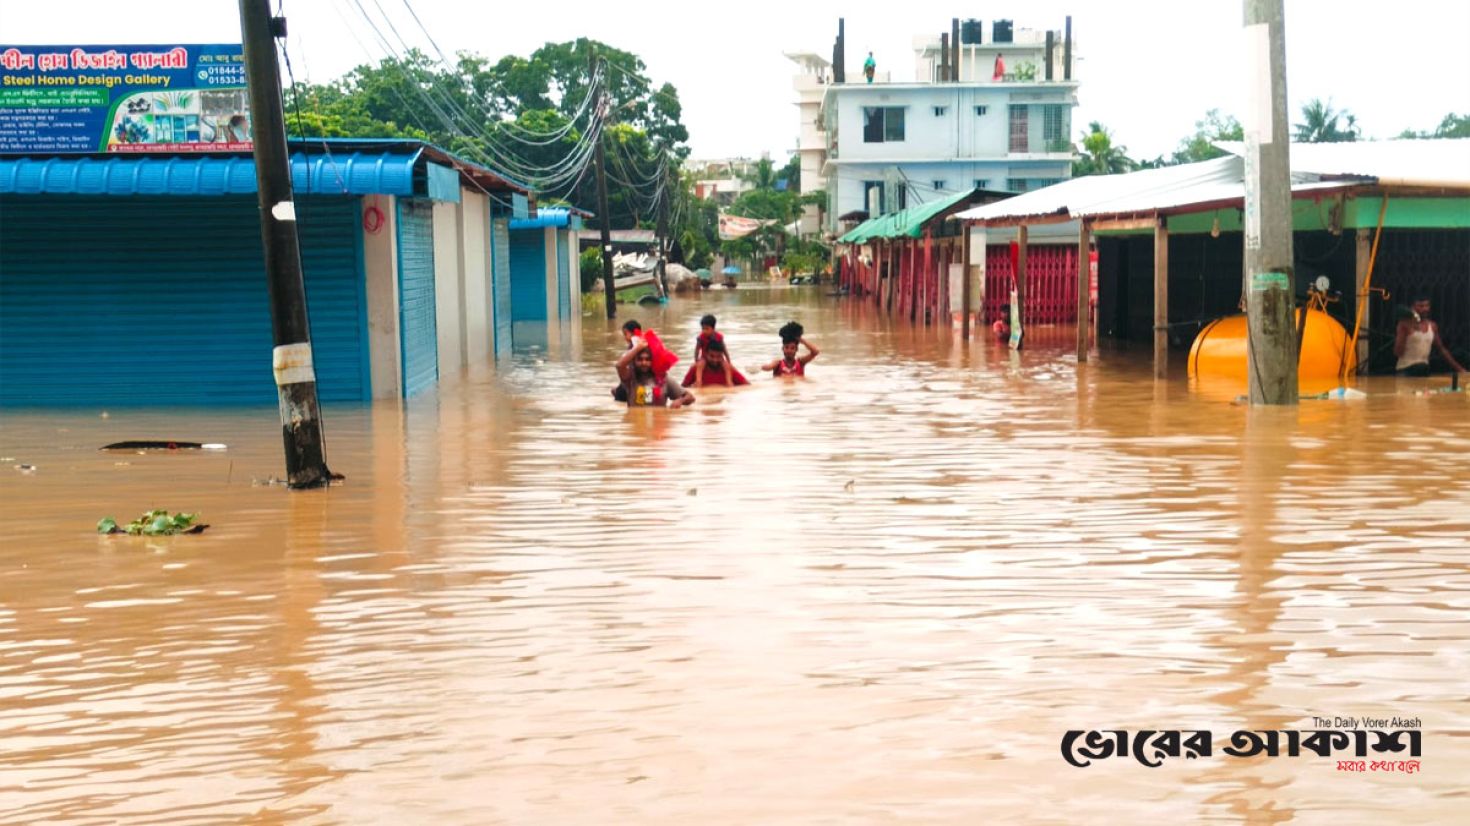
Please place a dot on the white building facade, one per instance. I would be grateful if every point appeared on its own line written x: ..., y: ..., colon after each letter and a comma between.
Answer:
x: 1002, y: 126
x: 811, y: 84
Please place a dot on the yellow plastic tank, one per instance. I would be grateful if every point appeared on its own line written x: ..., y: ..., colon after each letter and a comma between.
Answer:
x: 1219, y: 350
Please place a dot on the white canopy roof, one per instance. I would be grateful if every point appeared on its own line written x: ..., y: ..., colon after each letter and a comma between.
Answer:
x: 1437, y: 162
x: 1405, y: 162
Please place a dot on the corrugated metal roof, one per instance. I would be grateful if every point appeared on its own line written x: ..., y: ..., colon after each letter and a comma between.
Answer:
x: 1406, y: 162
x: 906, y: 223
x: 619, y: 236
x: 351, y: 173
x: 478, y: 173
x: 1434, y: 162
x: 1148, y: 190
x: 871, y: 228
x: 1077, y: 196
x: 550, y: 217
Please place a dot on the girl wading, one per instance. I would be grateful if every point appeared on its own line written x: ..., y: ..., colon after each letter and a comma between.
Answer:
x: 789, y: 364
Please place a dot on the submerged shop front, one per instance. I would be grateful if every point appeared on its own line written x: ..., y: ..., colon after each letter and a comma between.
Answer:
x: 546, y: 278
x: 139, y: 279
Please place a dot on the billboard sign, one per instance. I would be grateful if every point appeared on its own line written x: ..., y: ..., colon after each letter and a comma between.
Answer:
x: 166, y: 98
x: 734, y: 226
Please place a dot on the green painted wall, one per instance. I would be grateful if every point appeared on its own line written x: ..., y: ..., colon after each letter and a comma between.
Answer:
x: 1308, y: 215
x: 1412, y: 213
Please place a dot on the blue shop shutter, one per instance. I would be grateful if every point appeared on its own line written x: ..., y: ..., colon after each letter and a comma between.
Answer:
x: 528, y: 275
x: 162, y: 300
x: 416, y: 295
x: 500, y: 274
x: 563, y: 277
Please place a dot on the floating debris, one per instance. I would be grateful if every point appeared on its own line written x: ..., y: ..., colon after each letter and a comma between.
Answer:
x: 152, y: 445
x: 26, y: 468
x: 153, y: 523
x: 1437, y: 391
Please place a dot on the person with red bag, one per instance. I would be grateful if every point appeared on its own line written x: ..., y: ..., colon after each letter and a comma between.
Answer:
x: 658, y: 361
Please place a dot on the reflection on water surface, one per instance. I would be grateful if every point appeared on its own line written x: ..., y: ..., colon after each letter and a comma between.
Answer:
x: 880, y: 594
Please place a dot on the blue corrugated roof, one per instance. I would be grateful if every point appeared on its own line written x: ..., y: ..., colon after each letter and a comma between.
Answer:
x: 549, y: 217
x: 348, y: 173
x: 487, y: 175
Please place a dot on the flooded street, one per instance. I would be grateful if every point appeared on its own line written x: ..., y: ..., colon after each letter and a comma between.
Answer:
x: 883, y: 594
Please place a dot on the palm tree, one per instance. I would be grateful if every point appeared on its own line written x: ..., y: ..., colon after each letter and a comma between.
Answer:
x: 1319, y: 124
x: 1099, y: 156
x: 762, y: 176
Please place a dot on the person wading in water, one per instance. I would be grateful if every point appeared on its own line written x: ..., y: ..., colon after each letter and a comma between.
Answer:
x: 1413, y: 340
x: 642, y: 385
x: 789, y: 364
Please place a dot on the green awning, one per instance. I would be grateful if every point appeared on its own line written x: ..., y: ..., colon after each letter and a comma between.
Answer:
x: 906, y: 223
x: 862, y: 232
x: 910, y: 222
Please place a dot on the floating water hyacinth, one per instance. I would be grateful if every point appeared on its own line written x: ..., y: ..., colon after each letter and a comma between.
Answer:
x: 154, y: 523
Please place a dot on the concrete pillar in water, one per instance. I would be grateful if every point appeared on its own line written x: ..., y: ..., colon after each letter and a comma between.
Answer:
x: 1271, y: 343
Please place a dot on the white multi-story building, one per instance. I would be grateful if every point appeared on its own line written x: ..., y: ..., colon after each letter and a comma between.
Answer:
x: 1003, y: 122
x: 811, y: 143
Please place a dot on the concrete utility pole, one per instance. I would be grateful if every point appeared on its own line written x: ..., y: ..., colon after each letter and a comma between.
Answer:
x: 1271, y: 344
x: 609, y: 291
x: 301, y: 423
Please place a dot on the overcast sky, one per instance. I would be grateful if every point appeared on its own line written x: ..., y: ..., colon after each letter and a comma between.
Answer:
x: 1149, y: 68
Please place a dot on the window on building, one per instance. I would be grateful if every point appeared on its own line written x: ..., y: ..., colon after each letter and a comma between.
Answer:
x: 1016, y: 184
x: 939, y: 185
x: 873, y: 197
x: 882, y: 124
x: 1020, y: 128
x: 902, y: 199
x: 982, y: 183
x: 1054, y: 126
x: 1038, y: 183
x: 981, y: 110
x: 940, y: 111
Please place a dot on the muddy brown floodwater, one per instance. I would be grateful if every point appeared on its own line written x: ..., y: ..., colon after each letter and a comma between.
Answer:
x: 880, y: 595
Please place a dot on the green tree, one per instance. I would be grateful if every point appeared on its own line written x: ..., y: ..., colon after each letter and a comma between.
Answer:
x: 1320, y: 124
x: 1452, y: 126
x: 523, y: 116
x: 762, y: 176
x: 696, y: 224
x: 791, y: 172
x: 1213, y: 127
x: 765, y: 204
x: 1099, y: 155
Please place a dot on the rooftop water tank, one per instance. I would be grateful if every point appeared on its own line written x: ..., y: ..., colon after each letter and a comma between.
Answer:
x: 970, y: 31
x: 1000, y: 31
